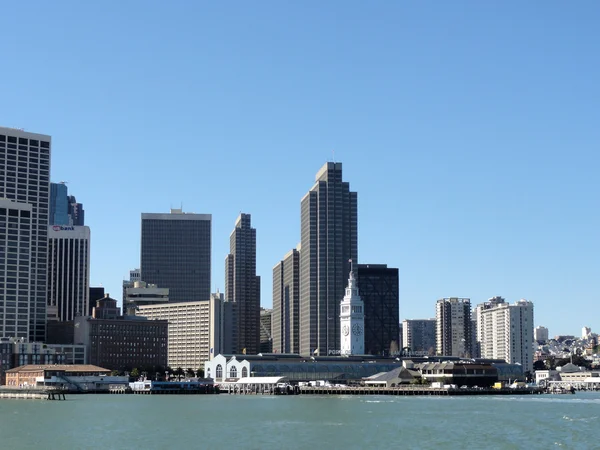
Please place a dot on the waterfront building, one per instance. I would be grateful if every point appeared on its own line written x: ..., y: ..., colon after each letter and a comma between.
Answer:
x: 121, y: 343
x: 419, y: 336
x: 453, y: 327
x: 242, y: 285
x: 176, y: 252
x: 266, y: 336
x: 286, y: 303
x: 24, y: 180
x: 508, y: 333
x: 68, y: 272
x: 540, y: 334
x: 378, y: 288
x: 222, y: 321
x: 329, y: 240
x: 189, y: 331
x: 142, y: 293
x: 73, y: 377
x: 352, y: 320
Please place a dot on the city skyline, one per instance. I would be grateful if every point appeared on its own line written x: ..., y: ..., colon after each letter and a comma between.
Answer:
x: 469, y: 134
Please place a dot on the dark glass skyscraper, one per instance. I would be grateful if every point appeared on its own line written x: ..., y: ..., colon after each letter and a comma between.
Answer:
x: 242, y: 285
x: 24, y: 179
x: 176, y: 252
x: 329, y: 239
x: 378, y: 288
x: 64, y: 209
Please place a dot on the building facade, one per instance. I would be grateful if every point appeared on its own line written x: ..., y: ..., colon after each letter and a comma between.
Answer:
x: 329, y: 240
x: 286, y: 304
x: 142, y: 293
x: 176, y: 254
x: 419, y: 335
x: 222, y: 334
x: 378, y: 287
x: 242, y: 285
x: 59, y: 206
x: 120, y: 343
x: 68, y: 272
x: 266, y: 334
x: 24, y: 179
x: 540, y: 334
x: 189, y: 331
x: 507, y: 333
x: 453, y: 327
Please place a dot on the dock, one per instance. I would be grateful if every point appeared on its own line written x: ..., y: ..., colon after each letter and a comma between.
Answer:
x: 32, y: 393
x: 410, y: 390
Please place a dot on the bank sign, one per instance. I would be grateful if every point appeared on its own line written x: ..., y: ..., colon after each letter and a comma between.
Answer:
x: 62, y: 228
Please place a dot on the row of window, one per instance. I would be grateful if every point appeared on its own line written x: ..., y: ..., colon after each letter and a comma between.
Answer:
x: 24, y: 141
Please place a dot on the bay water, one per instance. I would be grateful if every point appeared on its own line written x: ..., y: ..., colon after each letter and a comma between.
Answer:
x: 301, y: 422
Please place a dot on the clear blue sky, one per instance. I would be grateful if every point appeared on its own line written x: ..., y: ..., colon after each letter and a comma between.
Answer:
x: 470, y: 131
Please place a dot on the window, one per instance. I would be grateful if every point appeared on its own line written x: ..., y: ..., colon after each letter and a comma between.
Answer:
x: 219, y: 371
x: 233, y: 372
x: 244, y: 372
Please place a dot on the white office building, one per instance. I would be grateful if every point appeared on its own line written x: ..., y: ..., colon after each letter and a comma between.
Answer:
x: 68, y: 272
x: 507, y: 333
x: 188, y: 333
x: 24, y: 179
x: 141, y: 294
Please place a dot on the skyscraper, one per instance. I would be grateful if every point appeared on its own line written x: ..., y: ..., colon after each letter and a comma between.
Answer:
x: 453, y: 327
x: 68, y: 272
x: 64, y: 209
x: 378, y: 287
x: 24, y: 178
x: 419, y: 335
x: 507, y: 333
x: 286, y: 304
x: 176, y: 252
x: 242, y: 285
x: 491, y: 303
x: 329, y: 240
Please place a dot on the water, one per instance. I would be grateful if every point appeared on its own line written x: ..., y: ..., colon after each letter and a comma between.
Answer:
x: 301, y: 422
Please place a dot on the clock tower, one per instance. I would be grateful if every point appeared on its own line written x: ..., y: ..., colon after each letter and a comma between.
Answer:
x: 352, y: 320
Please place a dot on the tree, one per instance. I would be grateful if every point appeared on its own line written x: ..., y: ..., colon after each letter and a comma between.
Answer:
x: 115, y: 373
x: 190, y: 372
x: 200, y: 373
x: 179, y: 373
x: 539, y: 365
x: 135, y: 373
x: 168, y: 373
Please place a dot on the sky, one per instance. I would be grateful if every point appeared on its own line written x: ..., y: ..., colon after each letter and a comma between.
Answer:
x: 470, y: 131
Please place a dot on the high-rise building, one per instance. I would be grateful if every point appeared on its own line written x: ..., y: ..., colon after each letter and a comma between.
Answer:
x: 24, y: 179
x: 176, y: 252
x: 134, y: 275
x: 242, y: 285
x: 378, y: 287
x: 96, y: 293
x: 222, y: 322
x: 540, y: 334
x: 266, y: 336
x: 15, y: 250
x: 491, y: 303
x: 329, y: 240
x: 68, y: 272
x: 59, y: 206
x: 64, y: 209
x: 419, y: 335
x: 508, y: 333
x: 286, y: 304
x: 76, y: 212
x: 453, y: 327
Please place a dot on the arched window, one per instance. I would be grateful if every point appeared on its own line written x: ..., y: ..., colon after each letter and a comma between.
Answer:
x: 233, y: 372
x: 244, y: 372
x: 208, y: 372
x: 219, y: 371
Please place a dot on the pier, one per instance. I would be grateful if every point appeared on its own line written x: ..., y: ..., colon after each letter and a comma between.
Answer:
x: 32, y: 393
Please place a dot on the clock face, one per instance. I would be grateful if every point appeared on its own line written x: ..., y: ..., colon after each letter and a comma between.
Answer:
x: 357, y: 329
x: 346, y: 330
